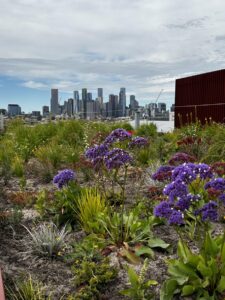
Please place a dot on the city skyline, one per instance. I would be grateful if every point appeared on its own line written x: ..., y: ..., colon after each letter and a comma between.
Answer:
x: 139, y: 44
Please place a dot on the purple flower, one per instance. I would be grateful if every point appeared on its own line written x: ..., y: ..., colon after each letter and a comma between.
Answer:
x: 217, y: 184
x: 96, y: 151
x: 203, y: 170
x: 163, y: 173
x: 222, y: 198
x: 188, y: 172
x: 183, y: 203
x: 117, y: 135
x: 180, y: 158
x: 176, y: 218
x: 163, y: 210
x: 117, y: 158
x: 175, y: 189
x: 138, y: 142
x: 208, y: 211
x: 185, y: 172
x: 63, y: 177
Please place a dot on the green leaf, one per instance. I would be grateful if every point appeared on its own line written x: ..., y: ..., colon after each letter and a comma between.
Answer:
x: 211, y: 248
x: 144, y: 250
x: 204, y: 270
x: 187, y: 290
x: 130, y: 256
x: 151, y: 282
x: 183, y: 250
x: 168, y: 289
x: 158, y: 243
x: 221, y: 285
x: 133, y: 277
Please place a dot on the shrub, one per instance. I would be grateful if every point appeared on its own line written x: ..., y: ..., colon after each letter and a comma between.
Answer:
x: 89, y: 205
x: 28, y: 289
x: 47, y: 240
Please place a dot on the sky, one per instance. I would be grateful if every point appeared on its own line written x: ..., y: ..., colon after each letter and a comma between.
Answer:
x: 143, y: 45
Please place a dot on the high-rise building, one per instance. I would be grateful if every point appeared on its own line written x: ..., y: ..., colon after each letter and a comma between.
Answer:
x: 113, y: 105
x: 100, y: 92
x: 89, y: 96
x: 14, y: 110
x: 76, y: 98
x: 162, y: 107
x: 70, y: 107
x: 122, y: 102
x: 84, y: 103
x: 133, y: 104
x: 45, y: 111
x: 54, y: 102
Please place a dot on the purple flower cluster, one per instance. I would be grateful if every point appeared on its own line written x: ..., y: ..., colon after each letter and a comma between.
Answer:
x: 175, y: 189
x: 180, y: 158
x: 176, y: 218
x: 116, y: 158
x: 164, y: 173
x: 96, y: 151
x: 208, y: 211
x: 165, y: 210
x: 188, y: 172
x: 63, y: 177
x: 217, y: 184
x: 117, y: 135
x: 96, y: 155
x: 179, y: 199
x: 138, y: 142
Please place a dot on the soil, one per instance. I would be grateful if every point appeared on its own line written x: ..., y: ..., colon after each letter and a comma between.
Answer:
x: 17, y: 260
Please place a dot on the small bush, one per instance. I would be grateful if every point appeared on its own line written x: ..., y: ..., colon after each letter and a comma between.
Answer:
x: 47, y: 240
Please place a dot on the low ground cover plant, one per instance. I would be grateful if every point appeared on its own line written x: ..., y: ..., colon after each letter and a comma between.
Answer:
x: 101, y: 191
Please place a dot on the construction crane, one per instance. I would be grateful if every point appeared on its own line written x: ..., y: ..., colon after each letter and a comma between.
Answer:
x: 159, y: 96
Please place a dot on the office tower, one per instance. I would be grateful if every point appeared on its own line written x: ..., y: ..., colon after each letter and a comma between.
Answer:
x: 133, y: 103
x: 70, y: 107
x: 113, y: 105
x: 90, y: 113
x: 162, y: 107
x: 84, y: 103
x: 65, y: 107
x: 14, y: 110
x: 122, y: 102
x: 54, y: 102
x: 89, y: 96
x: 100, y: 92
x: 76, y: 108
x: 45, y: 111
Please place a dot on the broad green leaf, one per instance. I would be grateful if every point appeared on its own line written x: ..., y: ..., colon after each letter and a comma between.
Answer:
x: 221, y: 285
x: 151, y: 282
x: 210, y: 246
x: 187, y: 290
x: 168, y: 289
x: 144, y: 250
x: 130, y: 256
x: 133, y: 277
x: 183, y: 250
x: 204, y: 270
x: 158, y: 243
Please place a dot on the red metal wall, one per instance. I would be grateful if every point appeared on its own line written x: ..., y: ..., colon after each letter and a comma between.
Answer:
x: 203, y: 95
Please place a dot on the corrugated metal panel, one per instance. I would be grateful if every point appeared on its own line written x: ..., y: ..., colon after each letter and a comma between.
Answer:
x: 204, y: 93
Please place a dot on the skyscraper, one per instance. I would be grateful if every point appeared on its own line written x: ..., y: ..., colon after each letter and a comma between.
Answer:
x: 54, y: 102
x: 122, y: 102
x: 100, y: 92
x: 84, y: 103
x: 14, y: 110
x: 76, y: 108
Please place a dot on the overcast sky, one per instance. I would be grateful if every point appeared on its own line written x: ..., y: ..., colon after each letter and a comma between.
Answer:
x: 143, y: 45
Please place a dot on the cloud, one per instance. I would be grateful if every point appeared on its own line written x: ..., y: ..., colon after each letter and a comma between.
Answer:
x: 34, y: 85
x: 140, y: 44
